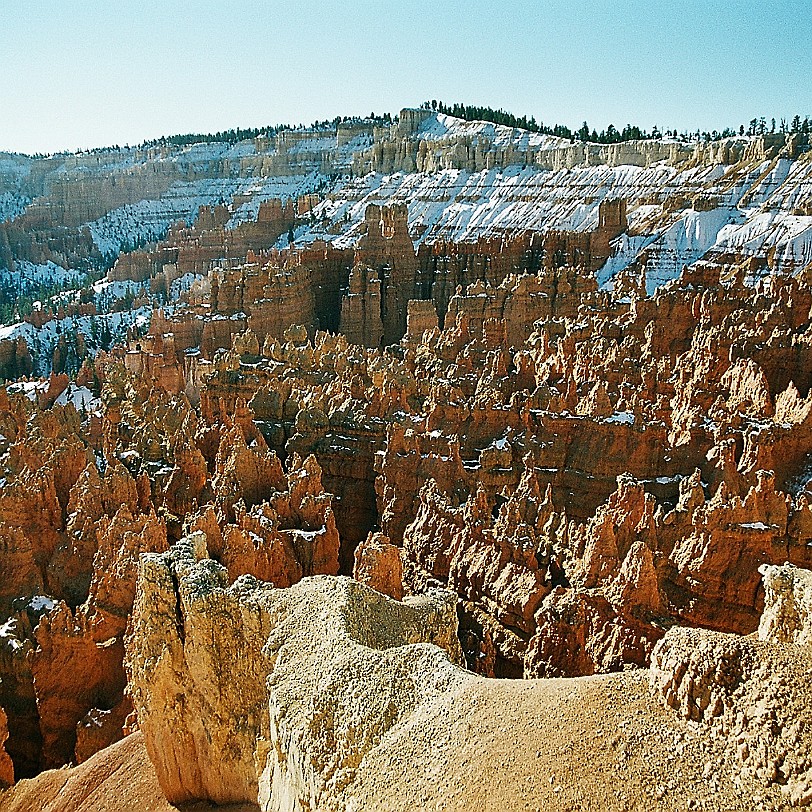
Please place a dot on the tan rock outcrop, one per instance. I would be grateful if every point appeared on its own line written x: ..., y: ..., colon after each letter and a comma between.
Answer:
x: 6, y: 765
x: 583, y: 462
x: 218, y: 675
x: 328, y: 682
x: 378, y: 565
x: 787, y: 616
x: 750, y: 689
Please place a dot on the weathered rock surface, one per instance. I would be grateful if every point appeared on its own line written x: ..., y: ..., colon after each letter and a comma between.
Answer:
x: 535, y: 404
x: 787, y: 616
x: 321, y: 695
x: 82, y: 502
x: 753, y: 691
x: 378, y: 564
x: 117, y: 779
x: 247, y: 691
x: 6, y: 764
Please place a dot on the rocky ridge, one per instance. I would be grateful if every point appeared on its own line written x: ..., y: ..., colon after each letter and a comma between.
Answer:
x: 164, y: 212
x: 284, y: 696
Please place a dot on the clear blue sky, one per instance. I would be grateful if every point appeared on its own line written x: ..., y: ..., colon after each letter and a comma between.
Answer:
x: 83, y: 74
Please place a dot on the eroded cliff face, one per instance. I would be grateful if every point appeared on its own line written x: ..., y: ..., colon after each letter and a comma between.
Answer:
x: 80, y: 503
x: 524, y: 387
x: 583, y: 468
x: 310, y: 697
x: 288, y: 216
x: 248, y: 692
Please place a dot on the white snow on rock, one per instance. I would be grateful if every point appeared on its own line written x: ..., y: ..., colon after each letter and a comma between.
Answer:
x: 440, y: 126
x: 41, y: 342
x: 458, y: 205
x: 689, y: 239
x: 789, y: 234
x: 81, y: 397
x: 283, y: 188
x: 625, y: 250
x: 183, y: 285
x: 621, y: 418
x: 117, y: 289
x: 8, y: 636
x: 139, y: 223
x: 28, y: 388
x: 28, y: 274
x: 41, y: 603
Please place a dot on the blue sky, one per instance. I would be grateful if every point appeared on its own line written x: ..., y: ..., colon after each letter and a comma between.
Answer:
x: 76, y: 75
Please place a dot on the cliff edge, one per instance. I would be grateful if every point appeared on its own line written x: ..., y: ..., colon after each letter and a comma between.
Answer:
x: 328, y: 695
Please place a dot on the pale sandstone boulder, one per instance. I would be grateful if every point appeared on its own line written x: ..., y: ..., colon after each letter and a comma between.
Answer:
x: 787, y: 616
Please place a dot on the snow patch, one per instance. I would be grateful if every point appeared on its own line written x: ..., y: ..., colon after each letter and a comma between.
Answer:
x: 82, y: 399
x: 12, y: 205
x: 621, y: 418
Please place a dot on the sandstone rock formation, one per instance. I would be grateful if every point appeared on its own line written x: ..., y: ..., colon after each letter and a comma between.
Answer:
x: 248, y: 691
x: 83, y: 503
x: 787, y: 611
x: 117, y: 779
x: 540, y: 375
x: 310, y: 698
x: 751, y: 690
x: 378, y: 564
x: 6, y: 765
x: 577, y: 503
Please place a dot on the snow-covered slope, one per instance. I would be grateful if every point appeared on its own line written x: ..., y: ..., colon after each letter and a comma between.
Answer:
x: 679, y: 209
x: 149, y: 220
x: 42, y: 341
x: 12, y: 205
x: 440, y: 126
x: 27, y: 275
x: 459, y: 205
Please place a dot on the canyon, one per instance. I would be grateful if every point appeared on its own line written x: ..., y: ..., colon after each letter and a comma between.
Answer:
x: 333, y: 458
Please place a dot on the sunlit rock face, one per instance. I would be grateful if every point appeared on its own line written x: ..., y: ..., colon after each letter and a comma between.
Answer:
x: 288, y: 698
x: 248, y: 692
x: 569, y: 384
